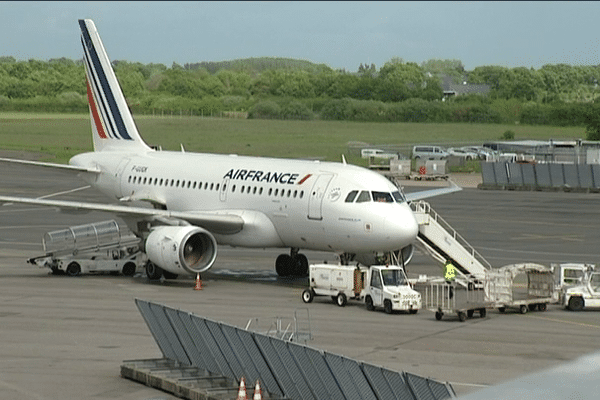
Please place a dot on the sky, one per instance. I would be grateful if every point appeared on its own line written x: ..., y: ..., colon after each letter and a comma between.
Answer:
x: 338, y: 34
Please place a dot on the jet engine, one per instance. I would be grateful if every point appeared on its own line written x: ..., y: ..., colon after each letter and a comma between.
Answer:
x: 181, y: 249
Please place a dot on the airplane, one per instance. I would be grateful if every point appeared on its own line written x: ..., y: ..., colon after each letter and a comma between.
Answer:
x: 184, y: 205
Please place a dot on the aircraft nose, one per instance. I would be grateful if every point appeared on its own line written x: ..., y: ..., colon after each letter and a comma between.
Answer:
x: 401, y: 226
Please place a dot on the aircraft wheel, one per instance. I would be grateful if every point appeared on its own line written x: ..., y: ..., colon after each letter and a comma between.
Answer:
x: 284, y: 265
x: 153, y: 272
x: 73, y: 269
x: 341, y: 299
x: 302, y: 267
x: 128, y: 269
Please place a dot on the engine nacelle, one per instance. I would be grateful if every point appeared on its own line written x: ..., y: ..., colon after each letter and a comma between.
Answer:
x: 181, y: 249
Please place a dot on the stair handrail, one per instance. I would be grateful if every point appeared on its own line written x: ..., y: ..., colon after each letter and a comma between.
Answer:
x: 424, y: 207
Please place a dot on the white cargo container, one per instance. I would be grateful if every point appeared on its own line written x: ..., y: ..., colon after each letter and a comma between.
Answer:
x: 378, y: 286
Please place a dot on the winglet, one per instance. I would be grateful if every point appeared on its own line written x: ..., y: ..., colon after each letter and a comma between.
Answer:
x: 113, y: 127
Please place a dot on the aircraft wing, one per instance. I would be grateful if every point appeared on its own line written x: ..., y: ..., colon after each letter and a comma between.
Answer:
x: 424, y: 194
x: 222, y: 223
x: 50, y: 165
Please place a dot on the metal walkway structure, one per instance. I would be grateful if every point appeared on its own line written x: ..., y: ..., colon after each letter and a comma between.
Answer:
x: 440, y: 241
x: 286, y: 370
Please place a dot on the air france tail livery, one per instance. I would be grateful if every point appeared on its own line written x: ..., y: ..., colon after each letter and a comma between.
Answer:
x: 183, y: 205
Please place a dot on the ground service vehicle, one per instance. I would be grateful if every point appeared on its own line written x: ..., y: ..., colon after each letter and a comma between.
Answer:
x: 96, y: 247
x: 429, y: 152
x: 378, y: 286
x: 586, y: 295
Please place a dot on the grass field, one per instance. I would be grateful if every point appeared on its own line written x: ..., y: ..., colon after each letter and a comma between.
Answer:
x: 61, y: 136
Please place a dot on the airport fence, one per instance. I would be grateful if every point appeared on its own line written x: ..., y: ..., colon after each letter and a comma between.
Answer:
x: 285, y: 369
x: 581, y: 177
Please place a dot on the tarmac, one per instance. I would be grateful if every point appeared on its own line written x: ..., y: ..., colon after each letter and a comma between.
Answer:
x: 66, y: 338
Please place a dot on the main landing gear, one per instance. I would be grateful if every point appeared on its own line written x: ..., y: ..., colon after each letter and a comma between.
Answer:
x: 295, y: 264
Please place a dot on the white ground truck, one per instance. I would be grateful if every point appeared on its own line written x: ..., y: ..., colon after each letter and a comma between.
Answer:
x: 90, y: 248
x: 586, y: 294
x: 378, y: 286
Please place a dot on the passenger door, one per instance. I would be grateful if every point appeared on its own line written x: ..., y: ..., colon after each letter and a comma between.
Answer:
x: 317, y: 194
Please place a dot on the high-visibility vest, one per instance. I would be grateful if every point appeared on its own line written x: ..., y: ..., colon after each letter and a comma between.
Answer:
x: 449, y: 272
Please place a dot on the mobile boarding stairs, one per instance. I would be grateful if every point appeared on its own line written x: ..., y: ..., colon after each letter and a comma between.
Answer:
x: 440, y: 241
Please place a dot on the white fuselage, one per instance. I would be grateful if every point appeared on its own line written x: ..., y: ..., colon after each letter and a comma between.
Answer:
x: 284, y: 203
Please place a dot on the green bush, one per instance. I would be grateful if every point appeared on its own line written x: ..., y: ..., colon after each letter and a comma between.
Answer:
x: 508, y: 135
x: 296, y: 110
x: 266, y: 109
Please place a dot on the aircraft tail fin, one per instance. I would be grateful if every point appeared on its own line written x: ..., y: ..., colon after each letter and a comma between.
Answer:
x: 113, y: 127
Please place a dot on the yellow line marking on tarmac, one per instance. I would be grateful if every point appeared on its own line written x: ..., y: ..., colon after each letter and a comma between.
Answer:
x: 566, y: 322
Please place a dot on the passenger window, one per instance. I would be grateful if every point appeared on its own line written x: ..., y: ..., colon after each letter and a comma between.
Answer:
x: 382, y: 197
x: 351, y: 196
x: 364, y: 197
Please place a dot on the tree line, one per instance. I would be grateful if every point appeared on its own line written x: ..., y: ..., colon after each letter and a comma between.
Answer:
x: 295, y: 89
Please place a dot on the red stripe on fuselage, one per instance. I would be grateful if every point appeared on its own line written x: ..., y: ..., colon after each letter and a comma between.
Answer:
x: 304, y: 179
x: 97, y: 122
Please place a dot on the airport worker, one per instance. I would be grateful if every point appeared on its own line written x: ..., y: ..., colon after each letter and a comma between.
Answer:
x: 449, y: 271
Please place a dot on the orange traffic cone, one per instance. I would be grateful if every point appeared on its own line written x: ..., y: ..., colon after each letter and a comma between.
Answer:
x: 257, y: 392
x: 242, y: 391
x: 198, y: 283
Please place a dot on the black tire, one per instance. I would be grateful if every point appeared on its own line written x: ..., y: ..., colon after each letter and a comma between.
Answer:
x: 523, y: 309
x: 128, y: 269
x: 412, y: 311
x: 532, y: 307
x: 439, y: 315
x: 576, y: 303
x: 308, y: 295
x: 470, y: 313
x: 542, y: 307
x: 387, y: 307
x: 462, y: 317
x: 502, y: 309
x: 369, y: 303
x: 341, y: 299
x: 284, y: 265
x: 482, y: 312
x: 302, y: 262
x: 169, y: 275
x: 153, y: 271
x: 73, y: 269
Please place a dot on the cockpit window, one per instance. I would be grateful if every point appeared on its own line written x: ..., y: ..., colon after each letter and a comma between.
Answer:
x: 364, y: 197
x: 382, y: 197
x: 398, y: 197
x: 351, y: 196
